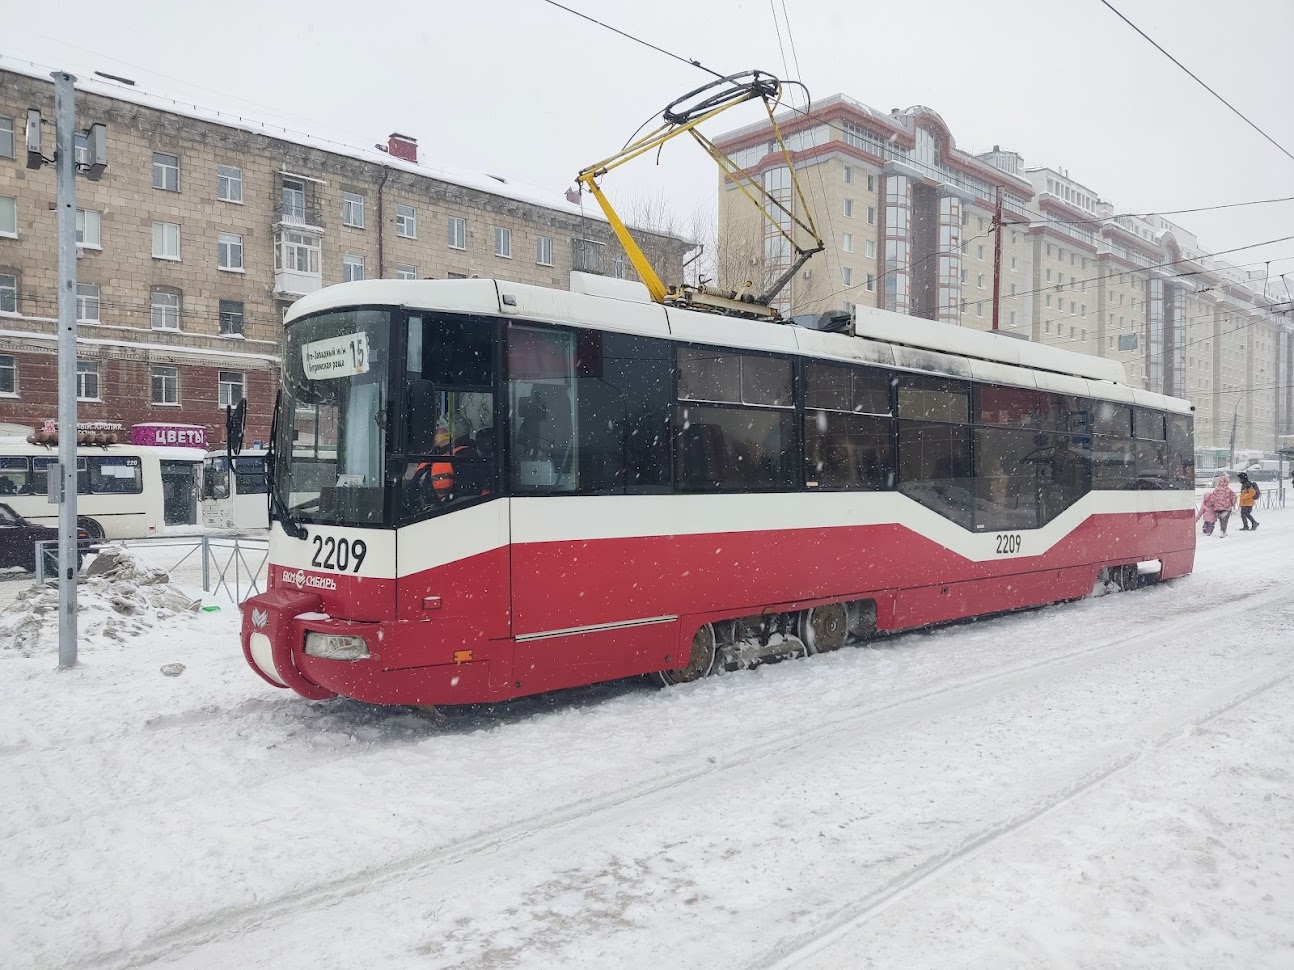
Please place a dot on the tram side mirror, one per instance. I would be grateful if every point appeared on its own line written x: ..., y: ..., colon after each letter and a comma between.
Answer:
x: 235, y: 422
x: 422, y: 418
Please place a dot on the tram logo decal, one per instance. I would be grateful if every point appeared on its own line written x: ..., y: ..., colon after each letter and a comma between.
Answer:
x: 301, y: 579
x: 260, y: 618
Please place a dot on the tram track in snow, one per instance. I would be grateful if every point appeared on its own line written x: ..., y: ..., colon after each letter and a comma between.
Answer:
x: 853, y: 915
x: 964, y: 694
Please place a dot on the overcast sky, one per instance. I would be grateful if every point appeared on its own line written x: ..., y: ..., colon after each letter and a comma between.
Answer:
x: 521, y: 88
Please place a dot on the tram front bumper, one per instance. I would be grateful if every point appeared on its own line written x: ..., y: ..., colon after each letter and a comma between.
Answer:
x: 290, y: 643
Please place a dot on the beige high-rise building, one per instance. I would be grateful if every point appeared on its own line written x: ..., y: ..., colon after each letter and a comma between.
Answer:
x: 907, y: 219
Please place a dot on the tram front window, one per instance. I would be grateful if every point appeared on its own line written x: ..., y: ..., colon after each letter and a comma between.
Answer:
x: 332, y: 424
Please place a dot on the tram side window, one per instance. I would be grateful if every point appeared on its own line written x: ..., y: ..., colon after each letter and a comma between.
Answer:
x: 735, y: 421
x: 934, y: 446
x: 1150, y: 428
x: 14, y: 477
x: 1112, y: 419
x: 450, y: 424
x: 1064, y: 472
x: 848, y: 428
x: 1006, y: 478
x: 541, y: 408
x: 1181, y: 451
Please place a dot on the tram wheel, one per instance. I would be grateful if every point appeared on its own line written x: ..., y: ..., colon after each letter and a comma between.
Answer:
x: 700, y: 663
x: 824, y: 628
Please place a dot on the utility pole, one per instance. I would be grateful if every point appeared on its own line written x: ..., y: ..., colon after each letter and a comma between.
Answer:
x: 997, y: 257
x: 62, y: 484
x: 65, y: 164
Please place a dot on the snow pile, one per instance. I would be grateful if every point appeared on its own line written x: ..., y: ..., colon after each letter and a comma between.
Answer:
x: 118, y: 599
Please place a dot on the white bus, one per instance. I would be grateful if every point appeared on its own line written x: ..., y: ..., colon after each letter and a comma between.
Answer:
x: 119, y: 487
x: 238, y: 501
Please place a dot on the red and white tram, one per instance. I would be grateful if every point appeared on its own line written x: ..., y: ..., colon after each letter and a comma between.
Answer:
x: 484, y: 489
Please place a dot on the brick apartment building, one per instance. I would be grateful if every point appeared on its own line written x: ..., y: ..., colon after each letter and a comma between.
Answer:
x: 206, y: 227
x: 907, y: 221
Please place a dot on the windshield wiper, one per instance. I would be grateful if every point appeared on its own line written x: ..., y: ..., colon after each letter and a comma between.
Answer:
x: 278, y: 508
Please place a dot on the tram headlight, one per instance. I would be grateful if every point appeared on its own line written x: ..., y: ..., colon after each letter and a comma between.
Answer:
x: 328, y: 646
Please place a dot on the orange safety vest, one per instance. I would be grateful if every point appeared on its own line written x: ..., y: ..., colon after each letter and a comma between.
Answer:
x: 442, y: 474
x: 1247, y: 496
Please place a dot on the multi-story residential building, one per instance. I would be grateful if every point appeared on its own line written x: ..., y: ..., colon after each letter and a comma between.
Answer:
x: 907, y: 219
x: 206, y: 227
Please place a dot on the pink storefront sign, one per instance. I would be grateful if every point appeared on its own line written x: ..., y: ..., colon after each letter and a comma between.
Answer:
x: 169, y: 435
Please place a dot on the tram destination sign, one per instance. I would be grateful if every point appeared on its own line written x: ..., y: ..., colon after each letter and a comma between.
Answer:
x: 343, y: 356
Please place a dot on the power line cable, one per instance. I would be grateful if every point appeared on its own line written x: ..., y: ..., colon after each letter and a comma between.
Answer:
x: 1197, y: 79
x: 637, y: 40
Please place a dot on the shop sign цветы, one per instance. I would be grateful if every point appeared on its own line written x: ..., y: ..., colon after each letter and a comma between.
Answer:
x: 169, y: 435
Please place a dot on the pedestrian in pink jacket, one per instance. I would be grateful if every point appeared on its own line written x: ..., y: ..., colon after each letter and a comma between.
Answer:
x: 1217, y: 506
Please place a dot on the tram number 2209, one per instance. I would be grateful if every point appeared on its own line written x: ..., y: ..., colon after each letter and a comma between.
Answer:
x: 1008, y: 543
x: 334, y: 553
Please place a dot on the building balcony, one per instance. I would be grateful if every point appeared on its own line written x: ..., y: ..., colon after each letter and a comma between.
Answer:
x: 298, y: 215
x: 294, y: 283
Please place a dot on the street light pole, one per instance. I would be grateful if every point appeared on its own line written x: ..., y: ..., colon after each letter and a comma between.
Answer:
x: 65, y: 165
x: 1235, y: 413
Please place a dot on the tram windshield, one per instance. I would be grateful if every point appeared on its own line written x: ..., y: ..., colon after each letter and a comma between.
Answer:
x: 329, y: 465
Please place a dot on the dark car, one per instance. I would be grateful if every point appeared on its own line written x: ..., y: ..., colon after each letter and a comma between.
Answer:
x: 18, y: 539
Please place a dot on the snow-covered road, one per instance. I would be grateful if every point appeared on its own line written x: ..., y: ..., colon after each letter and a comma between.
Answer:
x: 1103, y: 783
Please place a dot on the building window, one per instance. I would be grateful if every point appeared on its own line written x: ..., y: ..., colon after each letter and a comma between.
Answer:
x: 230, y: 389
x: 457, y: 232
x: 979, y: 252
x: 1049, y: 301
x: 847, y: 242
x: 352, y: 209
x: 6, y: 138
x: 849, y: 208
x: 406, y: 272
x: 503, y: 242
x: 298, y: 252
x: 1082, y: 307
x: 1048, y: 276
x: 979, y: 309
x: 406, y: 222
x: 871, y: 183
x: 87, y: 380
x: 979, y: 280
x: 1013, y: 318
x: 1013, y: 289
x: 229, y: 183
x: 8, y: 293
x: 8, y: 375
x: 292, y: 201
x: 1048, y: 249
x: 231, y: 318
x: 544, y: 250
x: 849, y: 174
x: 166, y: 385
x: 87, y: 302
x: 352, y: 268
x: 8, y: 216
x: 87, y: 228
x: 870, y: 248
x: 229, y: 252
x: 847, y: 275
x: 618, y: 266
x: 166, y: 172
x: 981, y: 223
x: 871, y: 215
x: 871, y: 283
x: 165, y: 307
x: 1013, y: 262
x: 166, y: 240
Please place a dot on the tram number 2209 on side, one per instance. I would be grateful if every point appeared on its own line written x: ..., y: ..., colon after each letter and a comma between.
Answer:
x: 1009, y: 543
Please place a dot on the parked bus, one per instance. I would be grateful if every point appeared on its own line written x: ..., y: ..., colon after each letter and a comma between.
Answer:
x: 237, y: 501
x: 119, y: 487
x: 483, y: 489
